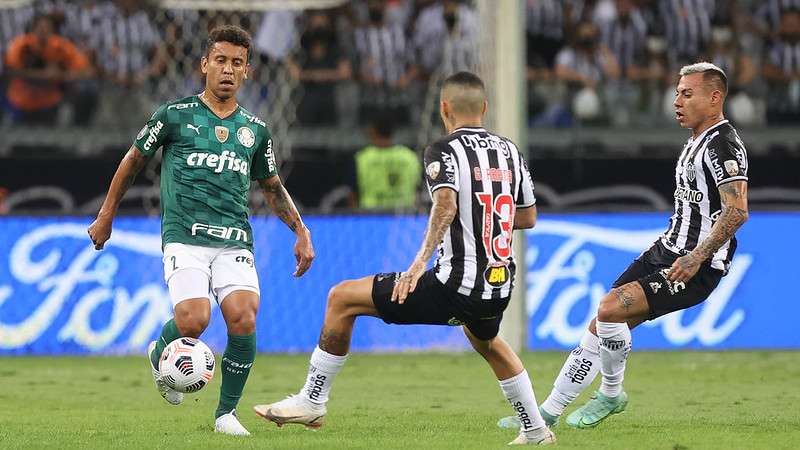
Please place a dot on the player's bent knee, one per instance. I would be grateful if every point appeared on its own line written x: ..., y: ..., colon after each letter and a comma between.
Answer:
x: 609, y: 309
x: 243, y: 324
x: 190, y: 322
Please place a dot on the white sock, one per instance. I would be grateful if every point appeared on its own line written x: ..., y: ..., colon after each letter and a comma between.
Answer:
x: 615, y: 344
x: 519, y: 392
x: 578, y: 373
x: 322, y: 369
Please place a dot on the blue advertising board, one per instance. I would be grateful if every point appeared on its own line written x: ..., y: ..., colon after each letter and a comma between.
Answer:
x: 60, y: 296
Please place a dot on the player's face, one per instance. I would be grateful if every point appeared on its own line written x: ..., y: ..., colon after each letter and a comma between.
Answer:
x: 693, y: 101
x: 225, y: 68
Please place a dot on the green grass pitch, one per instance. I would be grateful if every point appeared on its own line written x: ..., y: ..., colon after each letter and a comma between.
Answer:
x: 678, y: 400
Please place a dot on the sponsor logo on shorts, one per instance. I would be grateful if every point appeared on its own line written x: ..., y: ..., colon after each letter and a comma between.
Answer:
x: 655, y: 286
x: 245, y: 259
x: 497, y: 276
x: 673, y: 286
x: 453, y: 322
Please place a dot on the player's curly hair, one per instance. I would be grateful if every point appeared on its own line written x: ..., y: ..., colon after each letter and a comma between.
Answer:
x: 229, y: 33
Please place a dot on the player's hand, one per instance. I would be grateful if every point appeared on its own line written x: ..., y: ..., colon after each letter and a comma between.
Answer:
x: 100, y: 231
x: 303, y: 252
x: 408, y: 281
x: 684, y: 268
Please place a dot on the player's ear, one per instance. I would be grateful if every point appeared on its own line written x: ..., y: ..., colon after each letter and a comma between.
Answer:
x: 485, y: 107
x: 204, y: 65
x: 246, y: 70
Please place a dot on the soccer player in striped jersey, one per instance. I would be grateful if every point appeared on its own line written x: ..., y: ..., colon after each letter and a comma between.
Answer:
x: 682, y: 267
x: 482, y: 191
x: 212, y: 149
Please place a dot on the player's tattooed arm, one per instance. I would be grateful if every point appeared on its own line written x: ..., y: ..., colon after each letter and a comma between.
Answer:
x: 443, y: 212
x: 282, y: 205
x: 280, y: 202
x: 733, y: 196
x: 130, y: 166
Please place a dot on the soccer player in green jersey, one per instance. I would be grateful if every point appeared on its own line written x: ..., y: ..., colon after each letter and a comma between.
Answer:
x: 212, y: 149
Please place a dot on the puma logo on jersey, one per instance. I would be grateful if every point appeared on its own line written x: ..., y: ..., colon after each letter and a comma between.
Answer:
x: 220, y: 232
x: 192, y: 127
x: 225, y: 160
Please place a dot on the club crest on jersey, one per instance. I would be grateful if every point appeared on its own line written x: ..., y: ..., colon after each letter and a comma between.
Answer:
x: 732, y: 167
x: 497, y: 276
x: 691, y: 173
x: 433, y: 169
x: 245, y: 136
x: 221, y: 133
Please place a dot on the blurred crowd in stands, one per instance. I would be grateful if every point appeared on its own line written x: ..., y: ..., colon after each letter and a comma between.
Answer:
x: 611, y: 62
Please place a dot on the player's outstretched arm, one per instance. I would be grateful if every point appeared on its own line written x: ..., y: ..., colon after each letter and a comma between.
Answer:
x: 443, y: 212
x: 733, y: 196
x: 131, y: 164
x: 282, y: 205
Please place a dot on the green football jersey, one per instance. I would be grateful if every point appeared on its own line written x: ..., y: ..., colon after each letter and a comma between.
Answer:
x: 207, y: 164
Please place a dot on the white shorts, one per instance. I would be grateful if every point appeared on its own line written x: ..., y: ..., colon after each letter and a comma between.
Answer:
x: 192, y: 271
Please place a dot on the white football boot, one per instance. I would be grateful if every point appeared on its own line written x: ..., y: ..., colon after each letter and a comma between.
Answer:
x: 172, y: 396
x: 293, y: 409
x: 229, y: 424
x: 546, y: 438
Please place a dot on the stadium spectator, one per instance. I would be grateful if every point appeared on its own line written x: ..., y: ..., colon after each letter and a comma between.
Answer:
x: 132, y: 52
x: 768, y: 15
x: 320, y: 67
x: 446, y: 38
x: 385, y: 65
x: 625, y: 35
x: 42, y: 63
x: 544, y: 33
x: 782, y: 72
x: 687, y: 26
x: 583, y: 66
x: 387, y: 174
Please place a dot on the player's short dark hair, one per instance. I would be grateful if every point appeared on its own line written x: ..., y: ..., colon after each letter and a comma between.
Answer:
x: 465, y: 79
x: 711, y: 74
x: 229, y: 33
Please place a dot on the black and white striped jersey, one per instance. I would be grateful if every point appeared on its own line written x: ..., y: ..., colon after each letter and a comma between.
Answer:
x: 716, y: 157
x: 492, y: 180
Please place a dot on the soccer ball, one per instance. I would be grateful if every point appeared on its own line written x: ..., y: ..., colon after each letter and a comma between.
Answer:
x: 186, y: 365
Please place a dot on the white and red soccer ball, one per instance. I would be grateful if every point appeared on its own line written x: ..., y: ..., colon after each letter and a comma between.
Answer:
x: 186, y: 365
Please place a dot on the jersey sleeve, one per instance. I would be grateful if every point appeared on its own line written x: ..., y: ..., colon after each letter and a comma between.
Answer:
x: 525, y: 197
x: 441, y: 167
x: 154, y: 134
x: 263, y: 165
x: 727, y: 160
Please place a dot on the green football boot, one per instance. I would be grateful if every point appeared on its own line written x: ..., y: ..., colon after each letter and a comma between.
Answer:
x: 596, y: 410
x: 549, y: 419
